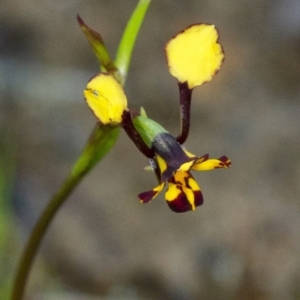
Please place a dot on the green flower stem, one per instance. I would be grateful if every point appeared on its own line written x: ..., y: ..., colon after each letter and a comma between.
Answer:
x: 100, y: 142
x: 38, y: 233
x: 128, y: 39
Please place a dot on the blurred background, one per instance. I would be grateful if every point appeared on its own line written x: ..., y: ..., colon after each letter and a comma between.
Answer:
x: 243, y: 243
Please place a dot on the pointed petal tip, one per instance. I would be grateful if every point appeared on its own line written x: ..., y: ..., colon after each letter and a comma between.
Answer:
x: 80, y: 21
x: 225, y: 161
x: 204, y: 157
x: 146, y: 197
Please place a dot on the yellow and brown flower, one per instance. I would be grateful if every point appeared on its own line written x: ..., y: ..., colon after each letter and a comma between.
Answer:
x: 194, y: 56
x: 172, y: 165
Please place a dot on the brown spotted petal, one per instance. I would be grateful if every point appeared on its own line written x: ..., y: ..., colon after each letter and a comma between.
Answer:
x: 205, y: 164
x: 146, y: 197
x: 184, y: 193
x: 224, y: 162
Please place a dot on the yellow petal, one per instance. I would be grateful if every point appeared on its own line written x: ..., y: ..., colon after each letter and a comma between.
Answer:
x: 187, y: 166
x: 211, y: 164
x: 194, y: 55
x: 106, y: 98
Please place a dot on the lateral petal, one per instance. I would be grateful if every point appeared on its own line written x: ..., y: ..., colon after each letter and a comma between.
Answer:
x: 211, y: 164
x: 146, y: 197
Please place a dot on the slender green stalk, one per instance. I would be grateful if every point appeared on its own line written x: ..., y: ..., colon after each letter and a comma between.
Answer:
x: 128, y: 39
x: 38, y: 233
x: 100, y: 142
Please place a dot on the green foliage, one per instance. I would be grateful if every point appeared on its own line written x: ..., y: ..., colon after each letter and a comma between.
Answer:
x: 101, y: 141
x: 7, y: 234
x: 128, y: 39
